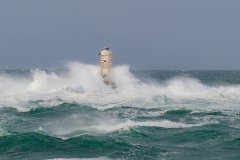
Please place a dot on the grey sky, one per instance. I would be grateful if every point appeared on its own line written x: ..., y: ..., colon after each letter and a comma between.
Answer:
x: 147, y: 34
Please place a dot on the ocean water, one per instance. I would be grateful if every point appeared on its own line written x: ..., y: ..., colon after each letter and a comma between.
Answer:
x: 153, y: 114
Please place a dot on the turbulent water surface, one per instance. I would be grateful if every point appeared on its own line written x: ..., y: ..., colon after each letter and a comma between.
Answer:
x: 72, y: 114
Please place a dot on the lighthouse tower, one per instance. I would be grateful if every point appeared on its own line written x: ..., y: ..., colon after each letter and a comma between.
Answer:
x: 106, y: 67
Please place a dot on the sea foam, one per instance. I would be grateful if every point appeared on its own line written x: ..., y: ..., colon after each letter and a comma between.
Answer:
x: 82, y: 83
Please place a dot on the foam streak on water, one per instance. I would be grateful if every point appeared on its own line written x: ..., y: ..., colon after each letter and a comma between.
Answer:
x: 72, y: 114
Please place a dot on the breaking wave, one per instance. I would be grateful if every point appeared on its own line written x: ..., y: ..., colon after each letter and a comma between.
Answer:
x: 86, y: 78
x: 68, y: 114
x: 82, y: 83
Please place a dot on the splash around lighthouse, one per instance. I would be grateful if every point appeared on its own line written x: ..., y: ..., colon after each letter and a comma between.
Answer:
x: 106, y: 70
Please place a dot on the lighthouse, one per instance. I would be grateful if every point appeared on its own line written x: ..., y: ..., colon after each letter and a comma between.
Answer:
x: 106, y: 67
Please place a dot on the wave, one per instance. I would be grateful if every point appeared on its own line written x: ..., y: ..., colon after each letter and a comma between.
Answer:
x: 83, y: 84
x: 85, y: 78
x: 130, y: 123
x: 77, y: 125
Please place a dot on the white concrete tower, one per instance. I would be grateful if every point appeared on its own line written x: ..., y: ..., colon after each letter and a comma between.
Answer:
x: 106, y: 66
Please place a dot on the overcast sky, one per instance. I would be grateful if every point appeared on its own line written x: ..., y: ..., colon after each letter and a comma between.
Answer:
x: 145, y: 34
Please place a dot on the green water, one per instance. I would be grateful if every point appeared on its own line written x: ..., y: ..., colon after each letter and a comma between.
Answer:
x: 164, y: 115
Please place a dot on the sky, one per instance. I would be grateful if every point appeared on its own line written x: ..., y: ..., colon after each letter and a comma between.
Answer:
x: 144, y: 34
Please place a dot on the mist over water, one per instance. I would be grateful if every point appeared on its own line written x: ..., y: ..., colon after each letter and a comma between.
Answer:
x: 150, y: 115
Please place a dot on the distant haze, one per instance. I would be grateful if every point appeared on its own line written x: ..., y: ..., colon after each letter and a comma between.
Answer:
x: 153, y: 34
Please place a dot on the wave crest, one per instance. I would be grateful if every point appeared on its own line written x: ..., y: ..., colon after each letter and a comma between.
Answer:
x: 82, y: 83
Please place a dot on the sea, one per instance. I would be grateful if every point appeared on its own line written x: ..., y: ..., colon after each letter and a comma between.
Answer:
x: 70, y: 114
